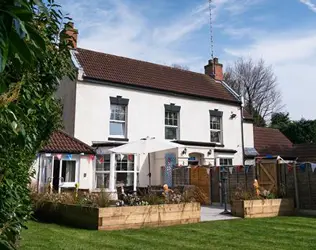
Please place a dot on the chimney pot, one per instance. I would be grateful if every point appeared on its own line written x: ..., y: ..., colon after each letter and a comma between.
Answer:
x: 214, y: 69
x: 71, y: 34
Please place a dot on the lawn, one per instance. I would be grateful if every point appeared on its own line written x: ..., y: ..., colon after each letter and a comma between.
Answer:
x: 272, y: 233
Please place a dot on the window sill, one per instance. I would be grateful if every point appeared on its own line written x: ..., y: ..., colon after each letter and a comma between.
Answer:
x: 118, y: 139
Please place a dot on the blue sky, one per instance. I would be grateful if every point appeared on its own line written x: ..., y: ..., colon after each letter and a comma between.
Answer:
x: 282, y: 32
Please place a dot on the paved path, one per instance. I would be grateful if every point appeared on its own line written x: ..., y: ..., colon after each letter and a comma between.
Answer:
x: 211, y: 213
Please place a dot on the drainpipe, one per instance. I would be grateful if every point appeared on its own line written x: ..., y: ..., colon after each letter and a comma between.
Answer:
x: 242, y: 129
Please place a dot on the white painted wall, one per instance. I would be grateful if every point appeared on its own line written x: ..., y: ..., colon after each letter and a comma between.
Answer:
x: 86, y: 173
x: 146, y: 116
x: 248, y: 135
x: 85, y: 166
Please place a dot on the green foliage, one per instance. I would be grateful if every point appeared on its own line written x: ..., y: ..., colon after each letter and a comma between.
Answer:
x: 33, y: 60
x: 280, y: 120
x: 258, y: 120
x: 302, y: 131
x: 39, y: 200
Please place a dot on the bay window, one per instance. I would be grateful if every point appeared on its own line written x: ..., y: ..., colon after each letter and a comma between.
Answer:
x: 124, y: 170
x: 102, y: 171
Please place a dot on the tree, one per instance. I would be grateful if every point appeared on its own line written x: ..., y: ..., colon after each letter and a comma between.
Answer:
x: 258, y: 84
x: 34, y: 61
x: 302, y: 131
x: 280, y: 120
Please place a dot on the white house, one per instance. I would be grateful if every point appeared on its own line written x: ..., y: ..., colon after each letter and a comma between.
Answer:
x: 114, y: 100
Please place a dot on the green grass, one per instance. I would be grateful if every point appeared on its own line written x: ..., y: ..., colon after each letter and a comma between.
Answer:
x: 272, y: 233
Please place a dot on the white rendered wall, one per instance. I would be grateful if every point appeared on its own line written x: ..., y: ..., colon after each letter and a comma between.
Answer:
x: 248, y: 135
x: 86, y: 173
x: 146, y: 116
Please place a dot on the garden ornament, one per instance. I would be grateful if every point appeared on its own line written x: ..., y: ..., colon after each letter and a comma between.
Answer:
x: 166, y: 190
x: 256, y: 186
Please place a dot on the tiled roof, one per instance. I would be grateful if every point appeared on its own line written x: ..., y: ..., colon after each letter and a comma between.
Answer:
x: 61, y: 142
x: 106, y: 67
x: 271, y: 141
x: 305, y: 152
x: 247, y: 115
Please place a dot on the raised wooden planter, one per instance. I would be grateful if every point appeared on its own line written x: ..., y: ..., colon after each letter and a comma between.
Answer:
x: 114, y: 218
x: 69, y: 215
x: 262, y: 208
x: 148, y: 216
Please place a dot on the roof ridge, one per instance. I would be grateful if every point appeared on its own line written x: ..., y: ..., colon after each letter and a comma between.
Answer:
x: 142, y: 61
x: 74, y: 139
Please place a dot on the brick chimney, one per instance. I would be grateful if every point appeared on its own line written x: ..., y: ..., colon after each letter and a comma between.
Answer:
x: 70, y: 33
x: 214, y: 69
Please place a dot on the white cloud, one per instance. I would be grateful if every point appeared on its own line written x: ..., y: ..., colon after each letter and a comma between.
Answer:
x: 183, y: 26
x: 235, y: 7
x: 293, y: 56
x: 310, y: 4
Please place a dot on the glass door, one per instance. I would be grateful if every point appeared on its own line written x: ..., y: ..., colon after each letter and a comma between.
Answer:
x: 45, y: 174
x: 68, y: 173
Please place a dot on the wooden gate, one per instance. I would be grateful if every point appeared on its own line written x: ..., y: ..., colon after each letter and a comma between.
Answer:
x: 267, y: 175
x: 201, y: 179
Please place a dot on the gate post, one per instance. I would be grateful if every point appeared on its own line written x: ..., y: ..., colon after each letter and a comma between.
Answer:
x: 296, y: 187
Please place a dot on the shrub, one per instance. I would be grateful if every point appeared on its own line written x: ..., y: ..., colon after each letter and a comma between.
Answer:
x: 33, y: 61
x: 101, y: 199
x: 241, y: 193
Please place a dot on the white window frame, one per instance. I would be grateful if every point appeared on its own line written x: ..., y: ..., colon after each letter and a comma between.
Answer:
x: 133, y: 171
x: 119, y: 121
x: 173, y: 126
x: 101, y: 172
x: 63, y: 184
x: 225, y: 159
x: 217, y: 130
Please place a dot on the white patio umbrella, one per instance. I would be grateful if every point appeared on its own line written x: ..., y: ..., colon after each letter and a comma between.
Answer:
x: 145, y: 146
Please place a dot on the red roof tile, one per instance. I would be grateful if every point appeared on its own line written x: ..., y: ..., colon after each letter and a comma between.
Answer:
x: 247, y: 115
x: 272, y: 141
x: 61, y: 142
x: 106, y: 67
x: 305, y: 152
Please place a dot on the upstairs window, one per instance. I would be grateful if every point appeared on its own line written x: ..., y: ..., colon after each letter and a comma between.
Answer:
x: 172, y: 122
x: 216, y: 130
x: 118, y: 118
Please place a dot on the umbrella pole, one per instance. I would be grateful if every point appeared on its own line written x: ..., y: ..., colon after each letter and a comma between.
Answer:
x: 149, y: 172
